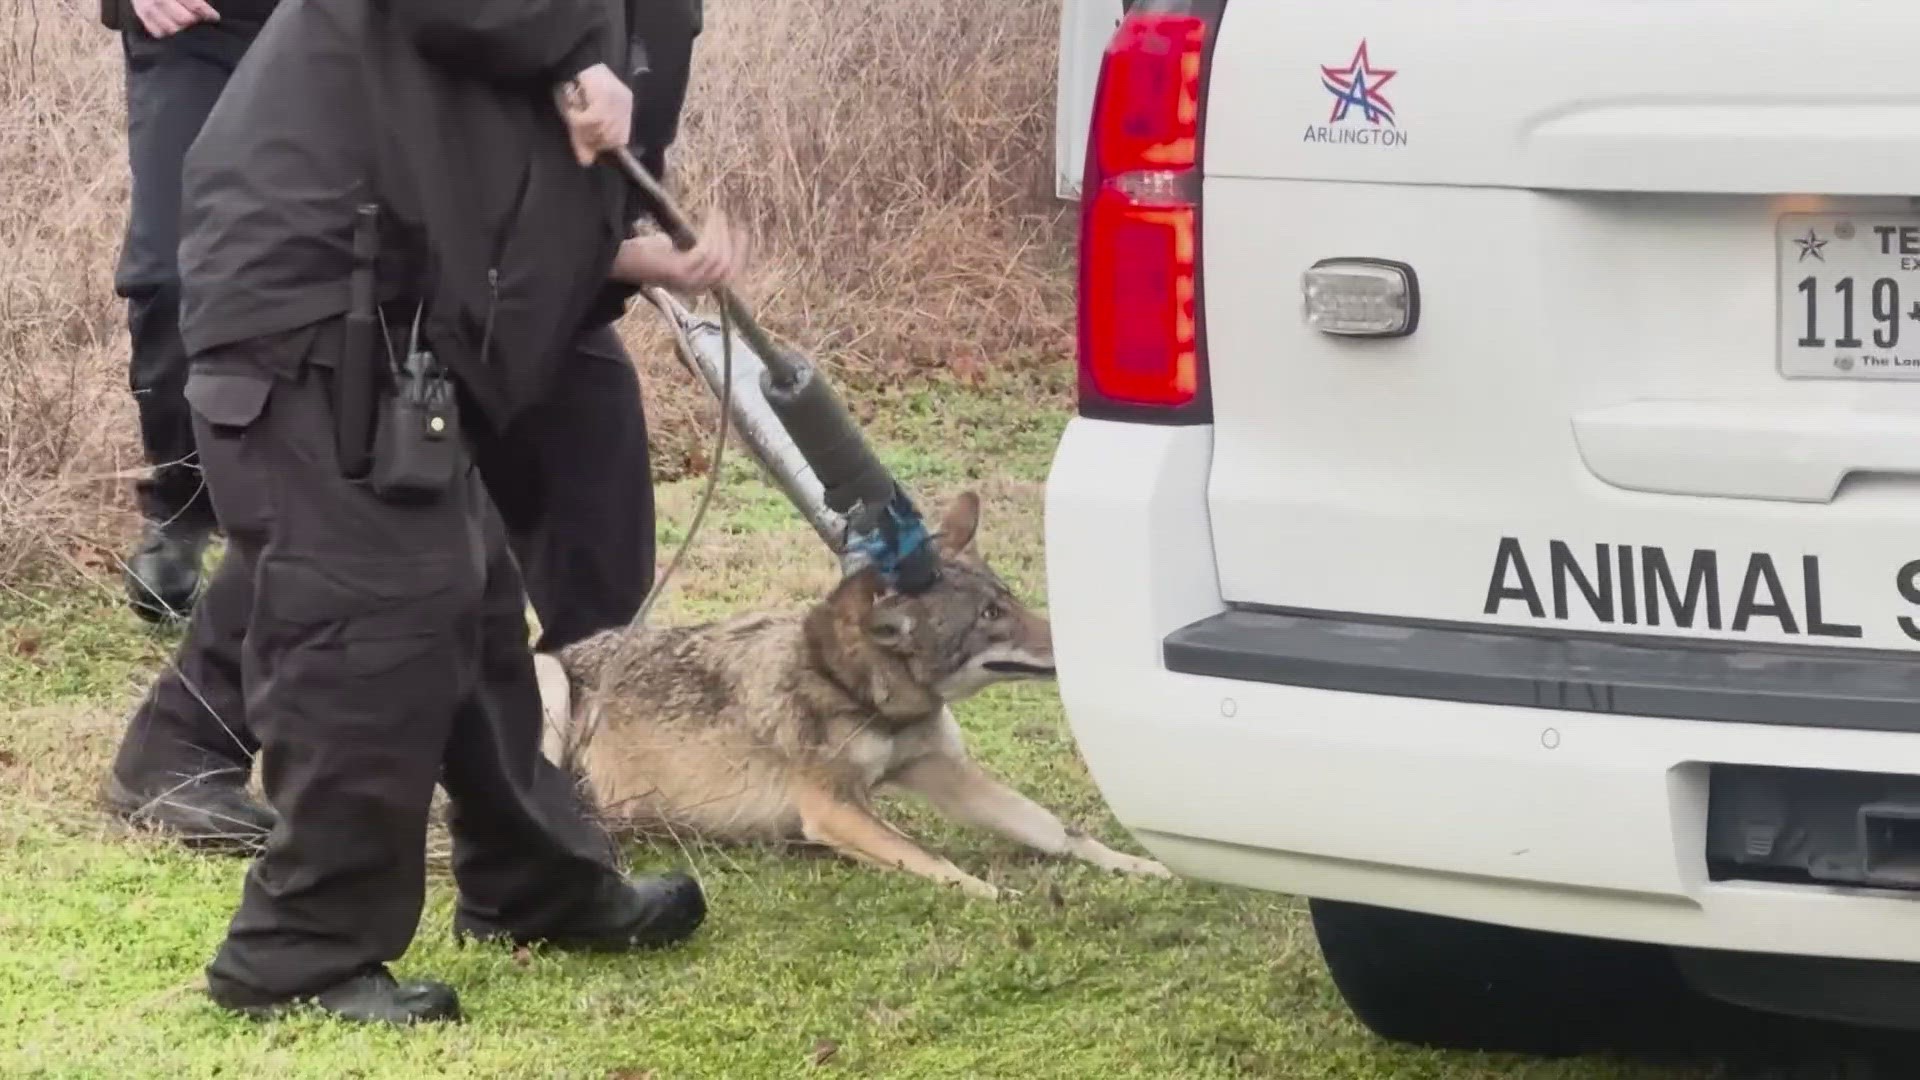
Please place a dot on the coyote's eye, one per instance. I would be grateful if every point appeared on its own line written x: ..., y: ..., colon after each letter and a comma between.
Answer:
x: 991, y: 612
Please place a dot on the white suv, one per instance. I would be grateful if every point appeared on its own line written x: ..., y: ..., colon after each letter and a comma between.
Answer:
x: 1494, y: 505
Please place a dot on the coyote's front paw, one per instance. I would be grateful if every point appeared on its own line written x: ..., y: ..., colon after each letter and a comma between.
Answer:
x: 1142, y: 867
x: 980, y: 890
x: 1100, y: 855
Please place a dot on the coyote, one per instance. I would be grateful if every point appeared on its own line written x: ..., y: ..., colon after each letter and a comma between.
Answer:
x: 784, y: 726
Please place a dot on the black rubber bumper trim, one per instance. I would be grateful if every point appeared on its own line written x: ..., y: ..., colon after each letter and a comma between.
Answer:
x: 1641, y: 676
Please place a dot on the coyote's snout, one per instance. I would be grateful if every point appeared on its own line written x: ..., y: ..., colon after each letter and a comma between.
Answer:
x: 784, y: 726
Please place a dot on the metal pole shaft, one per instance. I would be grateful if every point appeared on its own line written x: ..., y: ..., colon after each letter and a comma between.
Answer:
x: 882, y: 520
x: 782, y: 369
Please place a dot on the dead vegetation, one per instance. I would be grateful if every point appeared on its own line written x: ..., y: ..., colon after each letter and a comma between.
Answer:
x: 892, y: 160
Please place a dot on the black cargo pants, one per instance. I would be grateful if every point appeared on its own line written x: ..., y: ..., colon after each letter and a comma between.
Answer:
x: 171, y: 86
x: 572, y: 480
x: 383, y: 650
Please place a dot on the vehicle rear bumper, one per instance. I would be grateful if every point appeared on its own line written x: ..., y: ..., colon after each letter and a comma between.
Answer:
x: 1581, y: 820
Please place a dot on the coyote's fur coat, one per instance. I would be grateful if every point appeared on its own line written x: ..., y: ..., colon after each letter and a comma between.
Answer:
x: 775, y: 727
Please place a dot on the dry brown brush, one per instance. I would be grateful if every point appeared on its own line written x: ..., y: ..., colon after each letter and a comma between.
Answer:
x: 892, y: 159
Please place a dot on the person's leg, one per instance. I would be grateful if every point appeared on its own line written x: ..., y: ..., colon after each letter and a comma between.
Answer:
x: 186, y: 755
x: 575, y: 486
x: 362, y: 642
x: 170, y: 90
x: 531, y: 861
x: 184, y: 760
x: 574, y: 482
x: 387, y: 650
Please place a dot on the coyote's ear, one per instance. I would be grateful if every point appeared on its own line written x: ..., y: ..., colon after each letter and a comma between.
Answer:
x: 959, y: 524
x: 858, y: 604
x: 853, y: 598
x: 889, y: 625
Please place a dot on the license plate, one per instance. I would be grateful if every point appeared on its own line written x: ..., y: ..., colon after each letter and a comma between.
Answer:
x: 1849, y: 296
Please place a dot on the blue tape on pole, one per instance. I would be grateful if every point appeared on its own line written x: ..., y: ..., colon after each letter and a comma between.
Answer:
x: 900, y: 548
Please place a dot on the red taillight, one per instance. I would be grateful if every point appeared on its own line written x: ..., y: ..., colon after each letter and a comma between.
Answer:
x: 1149, y: 115
x: 1141, y: 346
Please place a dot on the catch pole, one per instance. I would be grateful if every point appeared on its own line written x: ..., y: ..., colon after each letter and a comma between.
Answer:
x: 883, y: 527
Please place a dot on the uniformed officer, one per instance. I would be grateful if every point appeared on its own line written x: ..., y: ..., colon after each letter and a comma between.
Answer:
x: 583, y: 536
x: 177, y: 56
x: 378, y: 610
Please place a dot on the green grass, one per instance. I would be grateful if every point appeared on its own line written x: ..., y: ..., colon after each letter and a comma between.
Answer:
x: 808, y: 965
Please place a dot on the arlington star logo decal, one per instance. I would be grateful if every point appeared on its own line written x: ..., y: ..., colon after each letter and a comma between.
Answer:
x: 1361, y: 114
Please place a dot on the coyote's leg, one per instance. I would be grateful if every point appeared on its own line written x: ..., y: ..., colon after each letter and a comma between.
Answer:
x: 853, y: 831
x: 555, y: 694
x: 964, y: 792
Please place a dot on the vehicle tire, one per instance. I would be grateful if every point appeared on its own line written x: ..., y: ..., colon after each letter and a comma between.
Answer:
x: 1450, y: 984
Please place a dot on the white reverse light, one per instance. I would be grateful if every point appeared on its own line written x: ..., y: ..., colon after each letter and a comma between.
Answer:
x: 1361, y: 297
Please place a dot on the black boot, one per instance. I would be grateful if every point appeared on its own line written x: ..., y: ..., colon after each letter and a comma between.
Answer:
x: 374, y: 997
x: 212, y: 810
x: 627, y: 913
x: 163, y: 575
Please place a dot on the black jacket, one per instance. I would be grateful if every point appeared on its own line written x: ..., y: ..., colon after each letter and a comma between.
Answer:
x: 441, y: 112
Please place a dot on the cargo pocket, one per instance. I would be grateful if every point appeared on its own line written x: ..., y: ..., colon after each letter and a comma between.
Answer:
x: 227, y: 401
x: 228, y: 398
x: 396, y: 686
x: 373, y: 652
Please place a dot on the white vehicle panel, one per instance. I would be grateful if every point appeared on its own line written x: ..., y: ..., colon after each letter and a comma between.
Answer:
x: 1583, y: 823
x: 1723, y: 96
x: 1605, y: 388
x: 1661, y: 400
